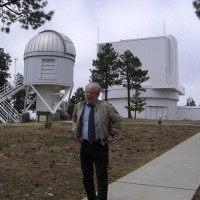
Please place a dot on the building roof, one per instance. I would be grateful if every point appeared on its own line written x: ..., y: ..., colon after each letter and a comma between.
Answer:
x: 50, y: 43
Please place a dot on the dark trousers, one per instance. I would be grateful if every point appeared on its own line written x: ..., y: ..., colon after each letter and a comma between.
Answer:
x: 94, y: 155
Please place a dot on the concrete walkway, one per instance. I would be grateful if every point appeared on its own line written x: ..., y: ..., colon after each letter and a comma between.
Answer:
x: 175, y: 175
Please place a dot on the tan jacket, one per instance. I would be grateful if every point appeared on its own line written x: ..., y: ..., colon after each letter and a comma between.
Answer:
x: 109, y: 120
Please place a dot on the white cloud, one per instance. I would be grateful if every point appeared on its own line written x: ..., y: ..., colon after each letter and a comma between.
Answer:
x: 118, y: 19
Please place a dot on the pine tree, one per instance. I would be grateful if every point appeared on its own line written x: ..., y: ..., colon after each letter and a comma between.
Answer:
x: 138, y: 103
x: 105, y: 70
x: 5, y: 61
x: 29, y: 13
x: 131, y: 75
x: 77, y: 97
x: 196, y: 5
x: 18, y: 99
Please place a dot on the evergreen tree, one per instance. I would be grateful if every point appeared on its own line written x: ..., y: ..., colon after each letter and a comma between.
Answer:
x: 29, y: 13
x: 196, y: 5
x: 105, y: 70
x: 131, y: 75
x: 18, y: 99
x: 138, y: 103
x: 77, y: 97
x: 31, y: 96
x: 5, y: 61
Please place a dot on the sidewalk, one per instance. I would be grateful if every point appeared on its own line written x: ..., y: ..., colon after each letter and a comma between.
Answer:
x: 175, y: 175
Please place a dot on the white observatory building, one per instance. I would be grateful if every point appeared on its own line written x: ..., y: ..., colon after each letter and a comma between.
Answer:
x: 158, y: 55
x: 48, y: 69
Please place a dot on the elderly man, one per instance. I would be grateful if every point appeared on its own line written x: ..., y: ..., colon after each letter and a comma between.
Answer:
x: 95, y: 124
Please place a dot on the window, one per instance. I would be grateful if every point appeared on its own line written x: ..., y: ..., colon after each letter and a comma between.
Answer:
x: 48, y: 69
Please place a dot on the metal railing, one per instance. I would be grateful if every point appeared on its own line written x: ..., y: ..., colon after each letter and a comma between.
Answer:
x: 8, y: 87
x: 7, y: 113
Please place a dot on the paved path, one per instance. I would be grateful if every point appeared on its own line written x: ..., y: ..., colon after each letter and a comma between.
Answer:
x: 175, y: 175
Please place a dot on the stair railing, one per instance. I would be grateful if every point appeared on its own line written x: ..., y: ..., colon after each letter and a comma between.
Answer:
x: 7, y: 112
x: 8, y: 87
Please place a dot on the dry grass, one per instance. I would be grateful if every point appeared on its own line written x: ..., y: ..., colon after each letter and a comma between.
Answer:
x: 39, y: 163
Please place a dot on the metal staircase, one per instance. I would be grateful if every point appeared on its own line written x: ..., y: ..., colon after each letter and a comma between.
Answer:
x: 7, y: 113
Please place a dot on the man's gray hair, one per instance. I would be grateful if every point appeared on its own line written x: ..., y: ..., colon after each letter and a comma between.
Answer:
x: 98, y: 87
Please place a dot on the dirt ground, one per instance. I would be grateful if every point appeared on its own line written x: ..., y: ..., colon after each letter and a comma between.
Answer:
x: 38, y: 163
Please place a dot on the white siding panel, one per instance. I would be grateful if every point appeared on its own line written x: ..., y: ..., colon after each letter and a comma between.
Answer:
x: 120, y: 92
x: 66, y: 71
x: 173, y: 74
x: 156, y: 112
x: 153, y: 54
x: 32, y: 70
x: 188, y: 113
x: 36, y: 73
x: 168, y: 111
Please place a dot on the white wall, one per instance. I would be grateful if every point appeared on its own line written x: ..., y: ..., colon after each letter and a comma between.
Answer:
x: 188, y: 112
x: 159, y: 103
x: 154, y: 108
x: 160, y: 57
x: 63, y: 71
x: 161, y: 108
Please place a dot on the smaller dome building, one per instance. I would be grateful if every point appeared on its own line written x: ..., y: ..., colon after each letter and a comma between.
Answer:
x: 49, y: 59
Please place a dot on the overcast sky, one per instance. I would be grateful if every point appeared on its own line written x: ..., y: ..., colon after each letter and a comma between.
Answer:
x: 87, y: 22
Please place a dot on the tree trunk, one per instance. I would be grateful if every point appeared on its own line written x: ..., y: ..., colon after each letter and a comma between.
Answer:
x: 135, y: 115
x: 106, y: 93
x: 129, y: 112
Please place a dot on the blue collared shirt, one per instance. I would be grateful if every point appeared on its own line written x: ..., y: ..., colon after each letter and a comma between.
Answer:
x: 85, y: 116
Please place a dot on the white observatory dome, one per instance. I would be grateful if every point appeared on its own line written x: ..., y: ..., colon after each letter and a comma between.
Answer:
x: 49, y: 59
x: 50, y: 43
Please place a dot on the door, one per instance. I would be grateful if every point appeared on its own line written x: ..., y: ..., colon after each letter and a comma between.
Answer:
x: 153, y: 112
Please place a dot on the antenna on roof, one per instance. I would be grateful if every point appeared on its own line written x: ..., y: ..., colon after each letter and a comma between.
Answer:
x: 16, y: 59
x: 98, y: 35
